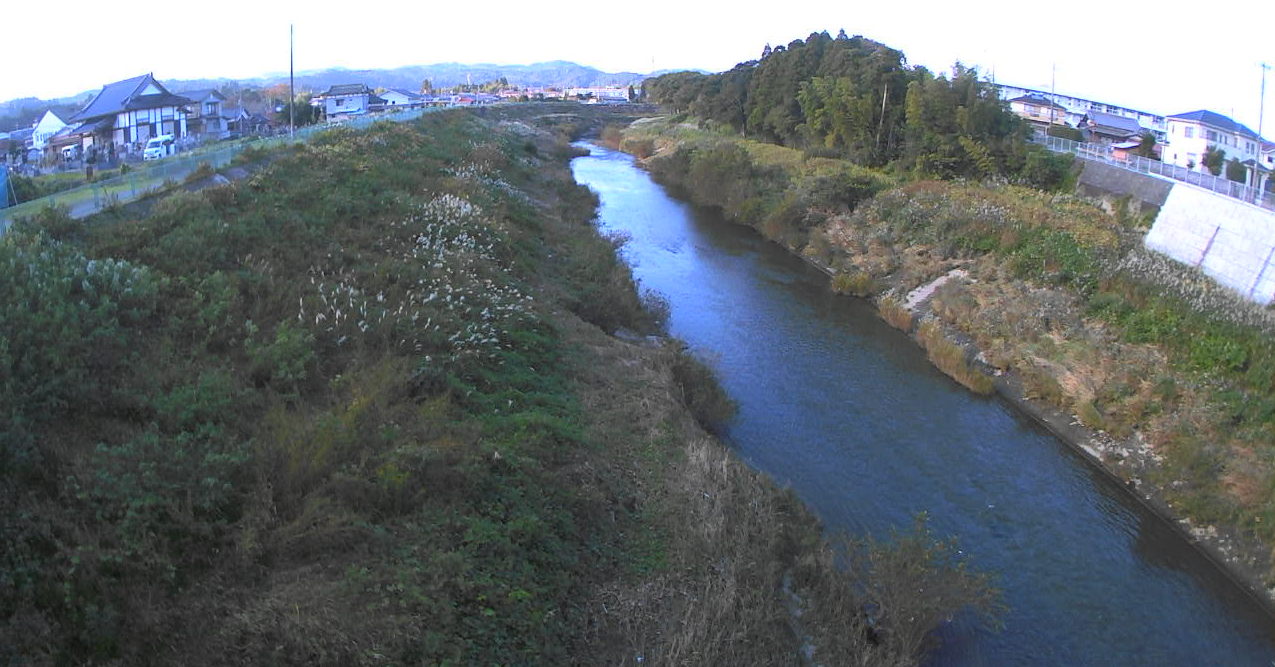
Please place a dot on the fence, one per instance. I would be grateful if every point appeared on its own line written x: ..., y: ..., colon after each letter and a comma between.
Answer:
x: 1102, y: 153
x: 92, y: 197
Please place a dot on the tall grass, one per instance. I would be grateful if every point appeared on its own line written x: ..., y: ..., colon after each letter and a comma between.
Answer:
x: 950, y: 358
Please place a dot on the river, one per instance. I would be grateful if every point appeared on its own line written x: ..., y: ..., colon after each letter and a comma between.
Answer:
x: 849, y: 413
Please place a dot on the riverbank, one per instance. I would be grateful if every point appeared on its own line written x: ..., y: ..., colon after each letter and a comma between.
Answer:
x: 365, y: 405
x: 1028, y: 310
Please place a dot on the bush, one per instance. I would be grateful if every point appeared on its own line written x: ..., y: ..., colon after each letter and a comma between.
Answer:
x: 859, y: 283
x: 701, y: 392
x: 950, y: 358
x: 895, y: 314
x: 1066, y: 132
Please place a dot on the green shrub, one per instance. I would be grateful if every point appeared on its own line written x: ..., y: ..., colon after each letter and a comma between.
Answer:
x: 859, y: 283
x: 701, y: 392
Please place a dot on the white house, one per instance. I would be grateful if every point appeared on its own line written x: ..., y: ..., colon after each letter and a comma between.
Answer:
x: 397, y: 97
x: 348, y: 99
x: 1192, y: 133
x: 49, y: 125
x: 129, y: 112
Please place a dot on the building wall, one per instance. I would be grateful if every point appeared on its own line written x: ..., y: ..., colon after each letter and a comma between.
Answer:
x: 349, y: 104
x: 1182, y: 148
x: 1232, y: 241
x: 47, y: 127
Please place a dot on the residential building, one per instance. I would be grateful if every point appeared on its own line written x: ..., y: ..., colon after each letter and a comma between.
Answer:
x: 205, y: 117
x: 1038, y: 110
x: 397, y: 97
x: 1192, y: 133
x: 1106, y: 128
x: 1078, y: 107
x: 236, y: 118
x: 48, y: 125
x: 347, y: 99
x: 127, y: 113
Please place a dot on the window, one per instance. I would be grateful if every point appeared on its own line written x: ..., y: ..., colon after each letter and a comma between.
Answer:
x: 1190, y: 132
x: 340, y: 101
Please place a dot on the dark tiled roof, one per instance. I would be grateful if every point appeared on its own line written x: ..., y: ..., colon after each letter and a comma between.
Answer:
x: 155, y: 101
x: 1216, y: 120
x: 119, y: 96
x: 1040, y: 101
x: 1111, y: 122
x: 348, y: 89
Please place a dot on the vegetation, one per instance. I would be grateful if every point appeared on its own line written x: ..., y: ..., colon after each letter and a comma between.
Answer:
x: 361, y: 408
x: 858, y: 99
x: 1059, y: 293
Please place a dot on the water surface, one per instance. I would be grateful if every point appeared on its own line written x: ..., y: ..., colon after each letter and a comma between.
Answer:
x: 848, y: 411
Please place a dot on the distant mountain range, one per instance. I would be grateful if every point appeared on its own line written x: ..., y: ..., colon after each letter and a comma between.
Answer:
x: 558, y: 73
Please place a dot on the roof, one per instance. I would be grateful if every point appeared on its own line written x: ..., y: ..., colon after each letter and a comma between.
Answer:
x: 1216, y: 120
x: 123, y: 96
x: 1109, y: 120
x: 406, y: 93
x: 22, y: 133
x: 1035, y: 99
x: 203, y: 94
x: 348, y: 89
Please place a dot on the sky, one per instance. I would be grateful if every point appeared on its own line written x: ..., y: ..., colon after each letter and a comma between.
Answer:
x: 1164, y: 57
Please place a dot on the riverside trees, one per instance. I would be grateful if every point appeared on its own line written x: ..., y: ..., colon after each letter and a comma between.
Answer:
x: 858, y: 99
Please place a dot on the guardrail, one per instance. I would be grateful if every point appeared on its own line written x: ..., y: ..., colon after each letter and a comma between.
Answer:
x: 92, y: 197
x: 1102, y: 153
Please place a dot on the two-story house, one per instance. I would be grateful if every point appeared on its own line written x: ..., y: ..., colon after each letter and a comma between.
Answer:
x: 204, y: 118
x: 1192, y: 133
x: 1038, y: 110
x: 348, y: 99
x: 129, y: 112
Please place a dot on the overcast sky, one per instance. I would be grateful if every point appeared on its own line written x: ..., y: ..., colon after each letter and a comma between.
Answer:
x: 1165, y: 57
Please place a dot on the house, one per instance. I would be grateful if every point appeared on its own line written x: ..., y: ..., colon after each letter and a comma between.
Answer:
x: 1038, y: 110
x: 1192, y: 133
x: 204, y: 117
x: 397, y: 97
x: 235, y: 119
x: 127, y: 113
x: 348, y: 99
x: 1106, y: 128
x: 48, y: 125
x: 1077, y: 107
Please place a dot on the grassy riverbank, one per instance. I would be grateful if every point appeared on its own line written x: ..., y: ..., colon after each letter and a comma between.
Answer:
x: 1175, y: 375
x: 363, y: 407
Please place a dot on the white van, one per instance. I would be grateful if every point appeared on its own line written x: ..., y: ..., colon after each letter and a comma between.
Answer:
x: 159, y: 147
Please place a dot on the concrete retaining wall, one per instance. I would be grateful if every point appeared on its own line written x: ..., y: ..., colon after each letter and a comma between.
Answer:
x: 1098, y: 179
x: 1230, y: 240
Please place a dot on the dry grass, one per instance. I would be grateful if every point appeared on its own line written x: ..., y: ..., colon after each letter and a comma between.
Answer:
x: 895, y: 314
x: 859, y: 283
x: 950, y: 358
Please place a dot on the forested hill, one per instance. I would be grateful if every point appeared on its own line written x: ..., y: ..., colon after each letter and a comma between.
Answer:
x: 860, y: 99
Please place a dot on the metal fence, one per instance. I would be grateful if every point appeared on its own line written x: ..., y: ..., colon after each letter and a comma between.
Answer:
x: 1103, y: 153
x: 154, y: 176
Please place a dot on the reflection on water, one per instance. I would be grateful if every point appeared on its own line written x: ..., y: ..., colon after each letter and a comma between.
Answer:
x: 849, y: 412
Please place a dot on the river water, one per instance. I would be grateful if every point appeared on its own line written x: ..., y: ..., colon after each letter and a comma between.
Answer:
x: 850, y: 414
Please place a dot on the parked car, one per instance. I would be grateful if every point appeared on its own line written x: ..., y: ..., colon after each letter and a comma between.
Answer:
x: 159, y: 147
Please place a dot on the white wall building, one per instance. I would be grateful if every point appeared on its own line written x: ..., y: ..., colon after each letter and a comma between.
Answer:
x: 1078, y: 107
x: 49, y: 125
x: 1191, y: 134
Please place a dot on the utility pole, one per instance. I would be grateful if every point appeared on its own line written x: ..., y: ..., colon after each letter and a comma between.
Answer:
x: 1257, y: 159
x: 292, y: 91
x: 1053, y: 91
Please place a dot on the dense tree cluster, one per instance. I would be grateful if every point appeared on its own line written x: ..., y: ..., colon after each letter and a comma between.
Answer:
x: 861, y: 100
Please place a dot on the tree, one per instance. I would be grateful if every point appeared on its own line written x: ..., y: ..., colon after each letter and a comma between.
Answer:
x: 1235, y: 171
x: 1214, y: 159
x: 841, y: 34
x: 1147, y: 147
x: 427, y: 86
x: 766, y: 51
x: 632, y: 93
